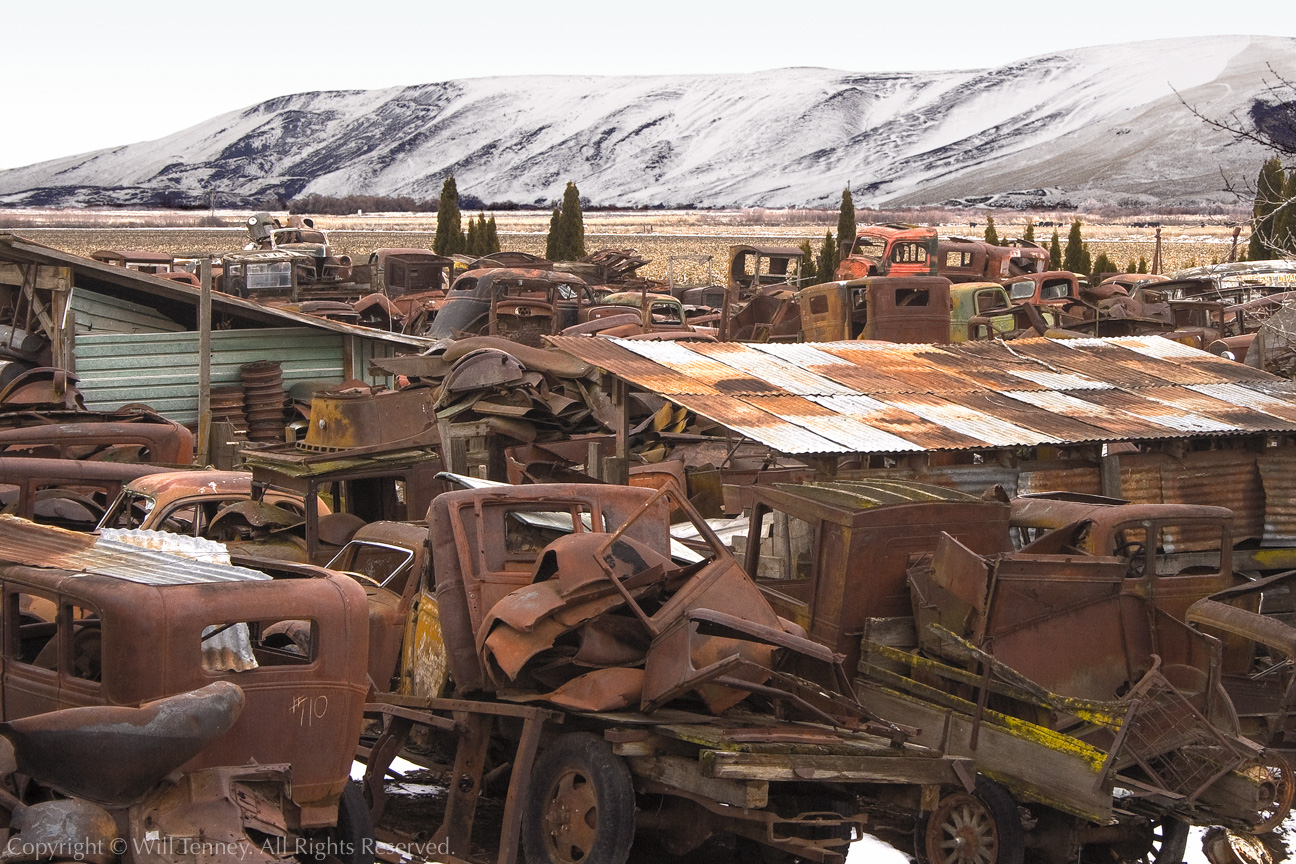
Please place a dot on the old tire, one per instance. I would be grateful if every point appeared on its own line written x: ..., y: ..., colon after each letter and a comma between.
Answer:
x: 581, y: 807
x: 1164, y: 842
x: 355, y: 831
x: 983, y: 828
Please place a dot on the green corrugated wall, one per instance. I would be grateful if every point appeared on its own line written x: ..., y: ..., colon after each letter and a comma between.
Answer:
x: 161, y: 369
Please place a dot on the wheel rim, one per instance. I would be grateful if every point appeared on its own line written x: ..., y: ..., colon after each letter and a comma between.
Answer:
x: 1280, y: 773
x: 962, y: 830
x: 571, y: 817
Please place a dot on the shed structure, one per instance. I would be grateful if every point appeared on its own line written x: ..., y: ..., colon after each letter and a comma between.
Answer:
x: 133, y: 338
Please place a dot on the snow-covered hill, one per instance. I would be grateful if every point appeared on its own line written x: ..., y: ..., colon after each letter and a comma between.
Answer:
x: 1096, y: 124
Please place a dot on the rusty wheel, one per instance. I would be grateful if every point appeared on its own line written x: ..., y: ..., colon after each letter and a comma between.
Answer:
x: 1273, y: 815
x: 581, y: 806
x: 984, y: 828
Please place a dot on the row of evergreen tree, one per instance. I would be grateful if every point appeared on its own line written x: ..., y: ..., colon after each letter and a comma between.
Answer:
x: 1273, y: 232
x: 479, y: 240
x: 566, y: 240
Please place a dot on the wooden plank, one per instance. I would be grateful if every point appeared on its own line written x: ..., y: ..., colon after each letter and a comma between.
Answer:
x: 46, y: 276
x: 778, y: 767
x: 686, y: 774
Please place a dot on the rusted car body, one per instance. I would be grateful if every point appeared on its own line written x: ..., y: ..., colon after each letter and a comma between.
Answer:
x: 1050, y: 286
x: 986, y: 301
x: 398, y: 272
x: 964, y: 259
x: 1184, y: 575
x: 883, y: 308
x: 135, y: 259
x: 392, y: 560
x: 215, y: 505
x: 147, y: 439
x: 521, y: 305
x: 877, y: 563
x: 890, y: 250
x: 628, y: 313
x: 93, y: 622
x: 755, y: 267
x: 69, y: 493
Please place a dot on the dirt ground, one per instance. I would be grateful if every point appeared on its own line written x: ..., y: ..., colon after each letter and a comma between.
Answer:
x: 655, y: 235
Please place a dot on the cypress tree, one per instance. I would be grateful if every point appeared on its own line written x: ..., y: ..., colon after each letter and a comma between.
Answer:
x: 573, y: 226
x: 1131, y: 267
x: 554, y: 242
x: 1142, y: 265
x: 828, y: 259
x: 449, y: 238
x: 809, y: 273
x: 492, y: 237
x: 845, y: 227
x: 1270, y: 189
x: 991, y: 235
x: 1029, y: 234
x: 1055, y: 252
x: 472, y: 243
x: 1073, y: 259
x: 1284, y: 219
x: 1102, y: 264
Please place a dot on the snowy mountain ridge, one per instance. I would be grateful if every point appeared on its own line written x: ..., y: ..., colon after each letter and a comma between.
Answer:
x: 1099, y: 124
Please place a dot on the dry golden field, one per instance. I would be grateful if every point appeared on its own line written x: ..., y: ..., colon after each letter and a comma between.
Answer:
x: 655, y: 235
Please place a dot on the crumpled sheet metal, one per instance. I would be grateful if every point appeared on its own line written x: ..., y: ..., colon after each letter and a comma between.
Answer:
x: 68, y: 829
x: 113, y: 755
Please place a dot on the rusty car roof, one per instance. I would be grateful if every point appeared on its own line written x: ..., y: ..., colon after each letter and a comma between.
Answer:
x: 169, y: 485
x: 854, y: 397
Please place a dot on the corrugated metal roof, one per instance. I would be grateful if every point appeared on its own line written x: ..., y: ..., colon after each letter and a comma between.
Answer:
x: 32, y: 545
x: 852, y: 397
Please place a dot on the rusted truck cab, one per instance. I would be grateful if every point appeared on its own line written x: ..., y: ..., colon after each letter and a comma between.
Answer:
x: 832, y: 556
x: 891, y: 250
x: 883, y: 308
x: 1050, y: 286
x: 94, y: 622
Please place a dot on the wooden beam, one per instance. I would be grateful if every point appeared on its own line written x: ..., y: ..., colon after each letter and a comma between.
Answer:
x: 204, y: 361
x: 686, y: 774
x: 794, y: 768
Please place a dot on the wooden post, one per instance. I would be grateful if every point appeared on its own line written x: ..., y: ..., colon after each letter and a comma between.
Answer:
x: 616, y: 469
x: 204, y: 361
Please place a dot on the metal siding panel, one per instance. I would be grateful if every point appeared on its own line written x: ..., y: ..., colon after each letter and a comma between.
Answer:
x: 1222, y: 479
x: 1278, y: 478
x: 1086, y: 480
x: 101, y: 313
x: 161, y: 369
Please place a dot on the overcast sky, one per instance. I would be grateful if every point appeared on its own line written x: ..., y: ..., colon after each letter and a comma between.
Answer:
x: 82, y: 76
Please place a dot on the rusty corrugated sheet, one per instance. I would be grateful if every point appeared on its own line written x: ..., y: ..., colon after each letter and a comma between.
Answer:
x: 1248, y: 397
x: 1156, y: 413
x: 1191, y: 400
x: 1277, y: 468
x: 968, y: 421
x: 32, y: 545
x: 1140, y: 475
x: 1086, y: 480
x: 1109, y: 423
x: 1222, y: 479
x: 746, y: 418
x: 879, y: 398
